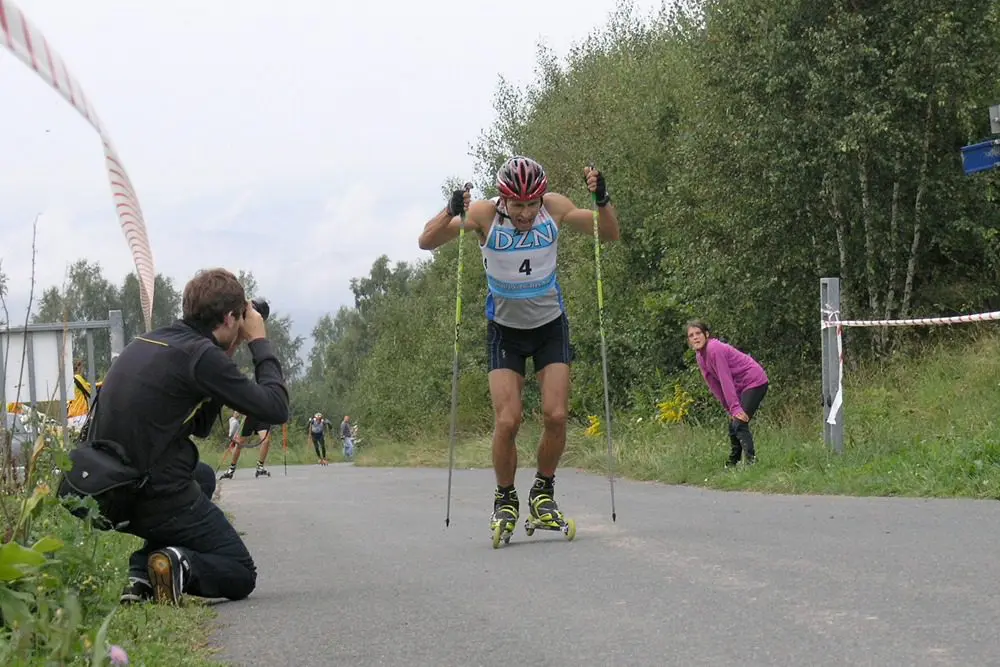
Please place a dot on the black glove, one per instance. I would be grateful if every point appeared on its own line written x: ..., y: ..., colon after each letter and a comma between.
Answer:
x: 456, y: 205
x: 602, y: 191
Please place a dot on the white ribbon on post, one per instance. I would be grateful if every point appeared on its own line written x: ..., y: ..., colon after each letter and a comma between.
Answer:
x: 831, y: 318
x: 838, y: 398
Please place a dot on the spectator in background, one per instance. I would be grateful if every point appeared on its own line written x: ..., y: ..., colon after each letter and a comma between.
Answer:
x: 348, y: 435
x: 736, y: 380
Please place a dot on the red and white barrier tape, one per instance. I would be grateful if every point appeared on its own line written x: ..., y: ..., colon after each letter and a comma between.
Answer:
x: 26, y: 42
x: 831, y: 319
x: 958, y: 319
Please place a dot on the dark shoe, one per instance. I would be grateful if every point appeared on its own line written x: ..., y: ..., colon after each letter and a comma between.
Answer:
x: 168, y: 573
x: 138, y: 590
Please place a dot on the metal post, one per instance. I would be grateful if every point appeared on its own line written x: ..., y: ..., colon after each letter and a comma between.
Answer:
x: 30, y: 354
x: 117, y: 326
x: 91, y: 373
x: 995, y: 119
x: 63, y: 398
x: 4, y: 342
x: 829, y: 296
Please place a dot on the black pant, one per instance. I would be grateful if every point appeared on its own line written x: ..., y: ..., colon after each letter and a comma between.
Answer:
x: 221, y: 566
x: 319, y: 443
x: 740, y: 437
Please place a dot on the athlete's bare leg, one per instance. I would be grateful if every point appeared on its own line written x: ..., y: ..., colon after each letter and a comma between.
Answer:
x: 238, y: 443
x: 265, y: 445
x: 554, y: 383
x: 505, y: 390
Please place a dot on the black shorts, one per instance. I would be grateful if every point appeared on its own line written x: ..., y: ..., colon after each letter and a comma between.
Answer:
x: 318, y: 438
x: 510, y: 348
x: 251, y: 426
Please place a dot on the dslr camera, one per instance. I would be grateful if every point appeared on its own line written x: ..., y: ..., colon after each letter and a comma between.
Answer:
x: 262, y: 307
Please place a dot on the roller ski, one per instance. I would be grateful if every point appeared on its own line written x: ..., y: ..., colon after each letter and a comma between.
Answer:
x: 261, y: 471
x: 506, y: 508
x: 229, y: 473
x: 544, y: 514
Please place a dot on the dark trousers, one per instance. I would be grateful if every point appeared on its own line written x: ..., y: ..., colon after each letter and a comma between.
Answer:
x: 319, y: 444
x: 221, y: 566
x: 740, y: 437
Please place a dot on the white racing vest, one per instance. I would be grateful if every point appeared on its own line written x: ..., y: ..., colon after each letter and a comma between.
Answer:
x: 523, y: 291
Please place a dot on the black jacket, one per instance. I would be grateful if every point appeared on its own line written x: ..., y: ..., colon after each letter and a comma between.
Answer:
x: 172, y: 383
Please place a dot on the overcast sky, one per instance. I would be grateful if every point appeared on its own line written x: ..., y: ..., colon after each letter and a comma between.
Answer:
x: 298, y: 139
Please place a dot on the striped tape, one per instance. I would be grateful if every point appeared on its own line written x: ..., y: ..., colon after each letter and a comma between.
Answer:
x: 832, y: 319
x: 957, y: 319
x: 26, y: 42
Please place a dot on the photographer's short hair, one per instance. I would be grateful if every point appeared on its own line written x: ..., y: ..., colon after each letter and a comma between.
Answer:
x: 210, y: 295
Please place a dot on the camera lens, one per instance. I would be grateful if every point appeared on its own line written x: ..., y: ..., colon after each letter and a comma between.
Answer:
x: 262, y: 307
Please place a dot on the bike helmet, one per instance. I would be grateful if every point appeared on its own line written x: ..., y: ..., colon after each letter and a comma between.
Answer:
x: 522, y: 179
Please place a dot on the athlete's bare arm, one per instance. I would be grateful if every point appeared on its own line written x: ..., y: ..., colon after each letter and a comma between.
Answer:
x: 444, y: 227
x: 565, y: 212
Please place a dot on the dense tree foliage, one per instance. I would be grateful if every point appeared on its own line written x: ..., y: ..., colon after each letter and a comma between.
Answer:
x: 751, y: 147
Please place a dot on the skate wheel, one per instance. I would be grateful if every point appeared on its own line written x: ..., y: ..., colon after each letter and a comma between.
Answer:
x: 569, y: 530
x: 497, y: 532
x: 529, y: 528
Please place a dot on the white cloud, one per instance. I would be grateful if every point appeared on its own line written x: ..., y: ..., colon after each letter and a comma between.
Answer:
x: 300, y: 139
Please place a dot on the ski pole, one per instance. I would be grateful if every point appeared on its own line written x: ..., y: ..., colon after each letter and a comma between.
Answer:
x: 604, y: 350
x: 454, y: 365
x: 284, y: 448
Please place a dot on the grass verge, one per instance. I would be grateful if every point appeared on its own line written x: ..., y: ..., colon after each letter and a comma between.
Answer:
x: 60, y: 582
x: 922, y: 427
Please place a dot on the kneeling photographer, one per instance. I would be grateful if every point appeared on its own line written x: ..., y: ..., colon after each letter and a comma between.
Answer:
x: 166, y: 386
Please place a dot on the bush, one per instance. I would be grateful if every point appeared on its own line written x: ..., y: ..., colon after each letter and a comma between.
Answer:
x: 60, y: 580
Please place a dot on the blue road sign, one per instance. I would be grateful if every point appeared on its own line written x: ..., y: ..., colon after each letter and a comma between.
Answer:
x: 981, y: 157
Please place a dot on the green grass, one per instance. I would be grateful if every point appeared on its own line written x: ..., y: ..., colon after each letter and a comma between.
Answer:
x: 87, y: 574
x: 920, y: 427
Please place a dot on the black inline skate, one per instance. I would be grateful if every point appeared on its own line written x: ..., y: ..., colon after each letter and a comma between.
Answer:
x: 543, y: 512
x: 506, y: 509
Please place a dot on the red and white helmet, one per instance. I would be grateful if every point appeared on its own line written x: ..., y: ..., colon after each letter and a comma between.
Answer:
x: 522, y: 179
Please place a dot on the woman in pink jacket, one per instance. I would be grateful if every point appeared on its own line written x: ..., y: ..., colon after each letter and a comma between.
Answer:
x: 736, y: 379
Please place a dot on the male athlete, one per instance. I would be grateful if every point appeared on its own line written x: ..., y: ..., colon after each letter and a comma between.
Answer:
x: 518, y: 234
x: 263, y: 431
x: 317, y: 426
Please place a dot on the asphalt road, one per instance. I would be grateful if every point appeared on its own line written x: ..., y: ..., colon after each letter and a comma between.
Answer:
x: 357, y: 568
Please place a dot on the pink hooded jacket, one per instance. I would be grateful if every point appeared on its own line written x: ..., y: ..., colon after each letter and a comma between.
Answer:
x: 729, y: 373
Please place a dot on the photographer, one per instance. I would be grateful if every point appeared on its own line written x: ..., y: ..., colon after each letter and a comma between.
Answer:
x: 166, y: 386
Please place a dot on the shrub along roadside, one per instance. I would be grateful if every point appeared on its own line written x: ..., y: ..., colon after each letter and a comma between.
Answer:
x: 922, y: 426
x: 60, y: 581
